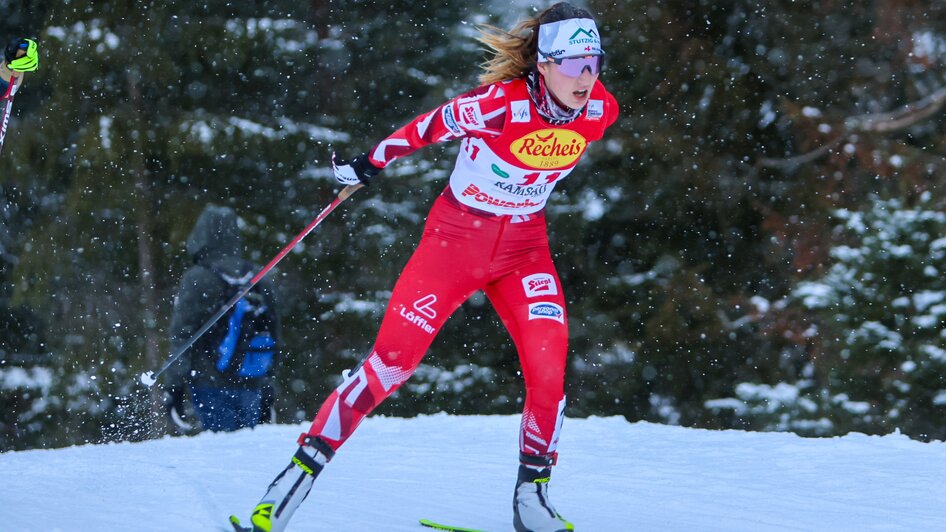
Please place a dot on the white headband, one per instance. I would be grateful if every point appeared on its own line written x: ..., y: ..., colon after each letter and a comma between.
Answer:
x: 568, y: 38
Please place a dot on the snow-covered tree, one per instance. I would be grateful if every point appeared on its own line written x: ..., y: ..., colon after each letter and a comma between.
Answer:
x: 875, y: 333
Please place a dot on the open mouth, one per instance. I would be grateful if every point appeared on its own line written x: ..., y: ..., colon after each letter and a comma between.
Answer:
x: 580, y: 94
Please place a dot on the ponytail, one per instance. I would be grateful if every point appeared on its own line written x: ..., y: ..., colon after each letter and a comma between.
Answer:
x: 514, y: 51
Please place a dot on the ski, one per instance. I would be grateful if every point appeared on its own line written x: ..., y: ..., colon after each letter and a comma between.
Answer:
x: 6, y: 107
x: 449, y: 528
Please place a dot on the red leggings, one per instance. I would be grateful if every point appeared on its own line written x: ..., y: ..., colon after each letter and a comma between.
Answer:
x: 461, y: 252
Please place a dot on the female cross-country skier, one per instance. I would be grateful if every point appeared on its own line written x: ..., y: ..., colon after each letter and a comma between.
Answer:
x: 523, y: 131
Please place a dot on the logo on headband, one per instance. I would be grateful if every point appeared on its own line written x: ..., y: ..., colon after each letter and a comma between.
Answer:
x: 569, y: 37
x: 590, y: 37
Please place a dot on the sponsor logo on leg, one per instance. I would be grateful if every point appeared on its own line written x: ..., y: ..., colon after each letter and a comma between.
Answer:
x: 425, y: 311
x: 424, y: 305
x: 546, y: 311
x: 539, y: 284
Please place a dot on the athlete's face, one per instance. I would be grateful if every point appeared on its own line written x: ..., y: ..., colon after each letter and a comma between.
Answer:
x: 571, y: 91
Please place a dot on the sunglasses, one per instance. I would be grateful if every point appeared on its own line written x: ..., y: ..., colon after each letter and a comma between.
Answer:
x: 573, y: 67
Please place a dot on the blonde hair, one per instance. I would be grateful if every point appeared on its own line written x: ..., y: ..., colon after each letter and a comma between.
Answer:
x: 514, y: 51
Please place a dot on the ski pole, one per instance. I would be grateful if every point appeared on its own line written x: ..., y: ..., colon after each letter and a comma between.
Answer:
x: 148, y: 378
x: 7, y: 108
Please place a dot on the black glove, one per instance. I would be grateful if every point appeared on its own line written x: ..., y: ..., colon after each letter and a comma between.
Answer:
x: 174, y: 406
x: 355, y: 171
x: 9, y: 53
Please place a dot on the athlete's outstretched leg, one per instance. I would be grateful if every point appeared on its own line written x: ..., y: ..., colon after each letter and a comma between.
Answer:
x: 531, y: 305
x: 443, y: 272
x: 446, y: 269
x: 410, y: 324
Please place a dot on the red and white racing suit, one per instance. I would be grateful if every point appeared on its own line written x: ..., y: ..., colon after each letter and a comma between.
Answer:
x: 485, y: 232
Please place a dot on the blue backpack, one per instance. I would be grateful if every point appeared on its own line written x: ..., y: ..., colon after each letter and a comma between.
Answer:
x: 245, y: 336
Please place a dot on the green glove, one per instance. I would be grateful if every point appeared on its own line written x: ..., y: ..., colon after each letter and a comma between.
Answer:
x: 26, y: 63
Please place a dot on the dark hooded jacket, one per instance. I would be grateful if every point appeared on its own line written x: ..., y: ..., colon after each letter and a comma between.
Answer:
x: 216, y: 247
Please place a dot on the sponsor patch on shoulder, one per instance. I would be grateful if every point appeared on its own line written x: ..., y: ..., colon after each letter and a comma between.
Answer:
x: 451, y: 121
x: 539, y: 284
x: 595, y: 110
x: 470, y: 116
x: 520, y: 111
x: 546, y: 311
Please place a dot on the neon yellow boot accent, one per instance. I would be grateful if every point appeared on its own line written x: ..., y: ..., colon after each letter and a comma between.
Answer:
x: 302, y: 466
x: 261, y: 517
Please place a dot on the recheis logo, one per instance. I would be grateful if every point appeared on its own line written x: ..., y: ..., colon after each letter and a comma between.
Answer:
x: 549, y: 148
x: 539, y: 284
x: 546, y: 311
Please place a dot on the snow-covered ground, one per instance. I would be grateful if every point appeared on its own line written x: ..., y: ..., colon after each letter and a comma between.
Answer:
x: 612, y: 476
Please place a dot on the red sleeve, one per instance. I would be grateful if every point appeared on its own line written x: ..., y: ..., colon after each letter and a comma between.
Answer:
x: 480, y: 112
x: 613, y: 111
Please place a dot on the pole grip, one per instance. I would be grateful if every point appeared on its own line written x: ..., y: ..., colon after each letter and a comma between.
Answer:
x: 348, y: 191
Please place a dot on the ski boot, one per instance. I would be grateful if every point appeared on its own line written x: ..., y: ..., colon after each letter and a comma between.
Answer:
x: 289, y: 488
x: 532, y: 510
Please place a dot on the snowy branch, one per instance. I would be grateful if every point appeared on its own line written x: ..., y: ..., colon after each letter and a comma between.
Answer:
x: 902, y: 118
